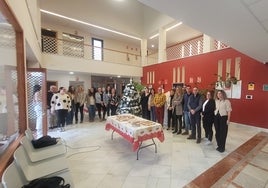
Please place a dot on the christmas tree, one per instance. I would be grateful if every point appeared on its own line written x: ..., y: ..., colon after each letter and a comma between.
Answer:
x: 130, y: 102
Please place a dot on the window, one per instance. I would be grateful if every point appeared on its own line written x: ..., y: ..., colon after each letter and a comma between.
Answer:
x: 97, y: 49
x: 73, y: 45
x: 49, y: 43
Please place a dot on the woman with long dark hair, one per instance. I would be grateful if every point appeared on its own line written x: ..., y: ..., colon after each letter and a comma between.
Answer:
x: 91, y: 104
x: 114, y: 101
x: 70, y: 116
x: 208, y: 108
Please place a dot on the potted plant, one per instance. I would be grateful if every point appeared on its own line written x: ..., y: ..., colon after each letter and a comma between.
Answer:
x: 220, y: 83
x: 230, y: 80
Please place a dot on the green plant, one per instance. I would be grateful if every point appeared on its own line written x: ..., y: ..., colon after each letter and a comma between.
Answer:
x: 138, y: 86
x: 231, y: 79
x: 220, y: 83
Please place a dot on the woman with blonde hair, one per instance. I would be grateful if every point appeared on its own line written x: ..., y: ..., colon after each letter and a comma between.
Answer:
x: 222, y: 119
x: 79, y: 100
x: 177, y: 110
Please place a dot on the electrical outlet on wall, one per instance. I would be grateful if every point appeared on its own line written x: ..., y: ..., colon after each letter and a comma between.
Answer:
x: 249, y: 96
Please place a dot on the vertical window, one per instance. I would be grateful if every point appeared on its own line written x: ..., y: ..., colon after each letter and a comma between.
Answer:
x: 97, y: 49
x: 8, y: 85
x: 49, y: 43
x: 73, y: 45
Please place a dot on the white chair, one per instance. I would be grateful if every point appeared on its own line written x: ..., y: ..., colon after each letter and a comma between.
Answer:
x: 13, y: 177
x: 42, y: 153
x: 33, y: 170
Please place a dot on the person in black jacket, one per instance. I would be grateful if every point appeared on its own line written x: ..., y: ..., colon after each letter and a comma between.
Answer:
x: 208, y: 108
x: 51, y: 117
x: 144, y: 104
x: 114, y: 101
x: 195, y: 108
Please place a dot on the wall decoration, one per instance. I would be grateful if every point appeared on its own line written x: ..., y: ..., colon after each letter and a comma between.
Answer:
x: 236, y: 90
x: 251, y: 86
x: 265, y: 87
x: 198, y: 80
x: 191, y: 80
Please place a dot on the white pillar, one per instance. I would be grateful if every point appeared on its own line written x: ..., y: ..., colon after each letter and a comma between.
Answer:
x: 144, y: 52
x: 208, y: 44
x: 162, y: 57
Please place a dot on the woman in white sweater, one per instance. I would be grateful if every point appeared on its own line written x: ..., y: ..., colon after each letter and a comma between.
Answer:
x: 61, y: 104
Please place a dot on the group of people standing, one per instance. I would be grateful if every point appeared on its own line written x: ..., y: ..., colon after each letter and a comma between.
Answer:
x: 186, y: 108
x: 211, y: 110
x: 152, y: 104
x: 105, y: 100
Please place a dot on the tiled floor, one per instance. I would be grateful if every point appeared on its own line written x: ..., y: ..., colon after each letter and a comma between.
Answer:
x: 97, y: 161
x: 247, y: 166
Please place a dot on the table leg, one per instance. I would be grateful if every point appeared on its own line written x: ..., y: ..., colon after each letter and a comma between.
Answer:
x: 112, y: 136
x: 141, y: 147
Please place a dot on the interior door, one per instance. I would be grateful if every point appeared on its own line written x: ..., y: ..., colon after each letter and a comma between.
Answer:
x: 36, y: 76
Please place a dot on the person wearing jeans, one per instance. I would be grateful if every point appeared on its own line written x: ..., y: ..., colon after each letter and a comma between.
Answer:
x: 79, y: 100
x: 151, y: 105
x: 195, y: 107
x: 186, y: 114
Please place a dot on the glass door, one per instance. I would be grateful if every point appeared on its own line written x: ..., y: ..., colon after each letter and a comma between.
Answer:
x: 37, y: 101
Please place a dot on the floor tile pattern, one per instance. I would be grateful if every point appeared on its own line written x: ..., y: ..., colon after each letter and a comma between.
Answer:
x: 96, y: 161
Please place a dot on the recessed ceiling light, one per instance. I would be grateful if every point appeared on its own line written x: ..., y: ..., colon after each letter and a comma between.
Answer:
x: 89, y: 24
x: 176, y: 25
x: 154, y: 36
x: 167, y: 29
x: 152, y: 45
x: 71, y: 72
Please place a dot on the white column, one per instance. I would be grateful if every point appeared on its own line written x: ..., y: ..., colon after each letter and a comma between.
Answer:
x: 162, y: 57
x: 208, y: 44
x: 144, y: 52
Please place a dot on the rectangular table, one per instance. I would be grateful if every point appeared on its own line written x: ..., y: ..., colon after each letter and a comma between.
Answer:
x: 135, y: 130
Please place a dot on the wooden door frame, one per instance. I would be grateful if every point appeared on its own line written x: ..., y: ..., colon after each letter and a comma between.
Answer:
x: 7, y: 12
x: 44, y: 96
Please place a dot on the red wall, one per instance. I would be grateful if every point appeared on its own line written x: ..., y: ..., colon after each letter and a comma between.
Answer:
x: 250, y: 112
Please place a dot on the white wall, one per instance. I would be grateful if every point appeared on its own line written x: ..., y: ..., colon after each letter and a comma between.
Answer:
x: 64, y: 78
x: 63, y: 63
x: 8, y: 56
x: 59, y: 63
x: 108, y: 43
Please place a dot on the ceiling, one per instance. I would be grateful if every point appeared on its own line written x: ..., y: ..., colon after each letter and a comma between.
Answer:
x: 241, y: 24
x: 127, y: 16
